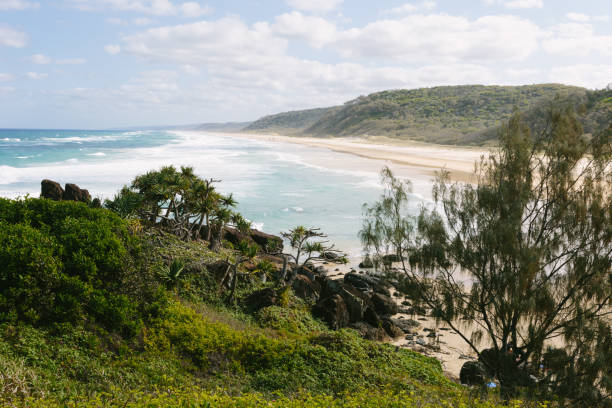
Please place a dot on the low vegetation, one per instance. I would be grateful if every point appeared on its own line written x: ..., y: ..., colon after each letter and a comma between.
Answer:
x: 461, y: 115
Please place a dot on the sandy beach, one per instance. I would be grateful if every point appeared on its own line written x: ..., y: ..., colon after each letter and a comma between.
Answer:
x: 410, y: 158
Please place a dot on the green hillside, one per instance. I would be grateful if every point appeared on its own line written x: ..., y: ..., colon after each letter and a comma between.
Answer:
x: 466, y: 115
x: 92, y: 315
x: 290, y: 122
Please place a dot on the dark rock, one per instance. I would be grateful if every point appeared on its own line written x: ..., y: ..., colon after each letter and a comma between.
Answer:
x: 266, y: 242
x: 261, y: 298
x: 366, y: 283
x: 51, y: 190
x: 472, y: 373
x: 371, y: 317
x: 392, y: 330
x: 407, y: 325
x: 370, y: 332
x: 330, y: 256
x: 356, y: 302
x: 306, y: 271
x: 306, y: 288
x: 332, y: 310
x: 384, y: 304
x: 269, y: 243
x: 390, y: 258
x: 366, y: 263
x: 72, y: 192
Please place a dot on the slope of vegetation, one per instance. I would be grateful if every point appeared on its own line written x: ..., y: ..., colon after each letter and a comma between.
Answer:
x: 86, y: 319
x: 290, y: 122
x: 464, y: 115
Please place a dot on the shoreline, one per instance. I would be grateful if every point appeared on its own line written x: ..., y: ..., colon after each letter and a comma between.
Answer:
x: 410, y: 156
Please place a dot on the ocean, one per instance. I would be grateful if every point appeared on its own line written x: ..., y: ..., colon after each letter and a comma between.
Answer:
x: 277, y: 185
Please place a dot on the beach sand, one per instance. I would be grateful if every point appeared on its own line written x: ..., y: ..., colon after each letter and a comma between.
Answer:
x: 411, y: 158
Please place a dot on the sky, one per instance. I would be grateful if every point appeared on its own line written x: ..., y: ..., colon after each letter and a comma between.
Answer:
x: 96, y: 64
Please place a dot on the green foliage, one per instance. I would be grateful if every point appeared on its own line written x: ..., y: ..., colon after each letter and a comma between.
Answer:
x: 64, y: 262
x: 533, y: 239
x: 464, y: 115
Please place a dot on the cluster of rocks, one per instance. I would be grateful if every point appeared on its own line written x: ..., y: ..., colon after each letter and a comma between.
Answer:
x: 361, y: 302
x: 52, y: 190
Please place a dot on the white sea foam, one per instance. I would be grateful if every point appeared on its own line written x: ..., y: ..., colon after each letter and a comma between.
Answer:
x: 22, y: 157
x: 97, y: 154
x: 10, y: 139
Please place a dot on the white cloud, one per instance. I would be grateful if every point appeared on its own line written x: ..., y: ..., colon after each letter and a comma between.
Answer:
x: 6, y: 89
x: 515, y: 4
x: 193, y: 9
x: 71, y: 61
x: 441, y: 37
x: 314, y: 5
x: 591, y: 76
x: 40, y: 59
x: 577, y: 40
x: 112, y: 49
x: 411, y: 7
x: 36, y: 75
x: 152, y: 7
x: 580, y: 17
x: 6, y: 77
x: 190, y: 69
x: 585, y: 18
x: 18, y: 5
x: 10, y: 37
x: 316, y: 31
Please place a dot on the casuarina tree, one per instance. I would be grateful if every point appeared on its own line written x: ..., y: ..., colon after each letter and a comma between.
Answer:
x: 519, y: 264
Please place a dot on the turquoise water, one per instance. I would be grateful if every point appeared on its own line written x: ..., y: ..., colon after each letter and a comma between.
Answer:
x: 277, y: 185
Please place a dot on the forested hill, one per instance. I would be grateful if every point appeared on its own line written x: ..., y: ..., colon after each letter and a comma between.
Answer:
x: 467, y: 115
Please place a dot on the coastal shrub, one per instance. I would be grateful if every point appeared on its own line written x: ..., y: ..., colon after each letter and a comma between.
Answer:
x: 65, y: 262
x: 30, y: 273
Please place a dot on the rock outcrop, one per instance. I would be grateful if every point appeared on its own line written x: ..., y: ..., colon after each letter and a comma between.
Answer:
x: 306, y: 288
x: 51, y: 190
x: 472, y: 373
x: 72, y: 192
x: 261, y: 298
x: 332, y: 310
x: 384, y: 304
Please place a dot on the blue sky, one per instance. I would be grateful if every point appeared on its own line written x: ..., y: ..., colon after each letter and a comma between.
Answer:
x: 118, y: 63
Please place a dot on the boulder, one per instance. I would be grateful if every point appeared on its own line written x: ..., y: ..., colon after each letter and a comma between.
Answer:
x: 51, y: 190
x: 370, y: 332
x: 269, y: 243
x: 472, y: 373
x: 356, y: 302
x: 366, y: 283
x: 306, y: 288
x: 384, y: 304
x: 261, y: 298
x: 330, y: 256
x: 72, y: 192
x: 366, y: 263
x: 406, y: 325
x: 306, y: 271
x: 332, y: 310
x: 392, y: 330
x: 371, y: 317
